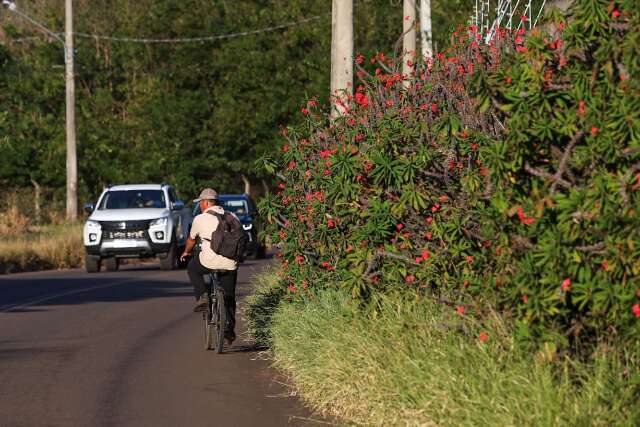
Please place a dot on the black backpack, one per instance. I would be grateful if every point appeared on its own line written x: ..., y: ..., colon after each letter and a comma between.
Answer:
x: 229, y: 239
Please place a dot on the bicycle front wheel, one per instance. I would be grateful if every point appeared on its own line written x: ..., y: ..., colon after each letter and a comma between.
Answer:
x: 221, y: 314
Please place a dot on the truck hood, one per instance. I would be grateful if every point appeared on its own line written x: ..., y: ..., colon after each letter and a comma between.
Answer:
x: 128, y: 214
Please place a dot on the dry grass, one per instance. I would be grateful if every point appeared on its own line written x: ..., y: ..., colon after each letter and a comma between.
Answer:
x: 41, y: 248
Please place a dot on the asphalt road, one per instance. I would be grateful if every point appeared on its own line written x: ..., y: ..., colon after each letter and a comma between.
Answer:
x: 125, y: 349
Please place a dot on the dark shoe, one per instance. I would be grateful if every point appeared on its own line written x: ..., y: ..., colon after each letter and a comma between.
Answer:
x: 230, y: 337
x: 202, y: 304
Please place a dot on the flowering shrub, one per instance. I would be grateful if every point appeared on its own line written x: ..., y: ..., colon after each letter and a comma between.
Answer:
x: 501, y: 175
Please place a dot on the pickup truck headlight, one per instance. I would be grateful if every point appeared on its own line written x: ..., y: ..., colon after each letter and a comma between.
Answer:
x: 247, y: 226
x: 94, y: 225
x: 159, y: 222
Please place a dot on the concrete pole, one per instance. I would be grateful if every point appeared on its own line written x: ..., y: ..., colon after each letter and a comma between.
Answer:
x: 341, y: 55
x: 409, y: 39
x: 426, y: 35
x: 72, y: 162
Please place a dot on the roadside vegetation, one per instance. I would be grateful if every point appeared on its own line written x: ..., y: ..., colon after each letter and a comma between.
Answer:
x: 478, y: 228
x: 415, y: 362
x: 25, y: 246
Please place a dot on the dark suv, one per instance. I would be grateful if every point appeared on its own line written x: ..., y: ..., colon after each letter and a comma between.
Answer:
x: 243, y: 207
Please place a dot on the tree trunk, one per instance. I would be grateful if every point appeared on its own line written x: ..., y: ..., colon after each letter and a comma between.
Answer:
x: 247, y: 184
x: 36, y: 200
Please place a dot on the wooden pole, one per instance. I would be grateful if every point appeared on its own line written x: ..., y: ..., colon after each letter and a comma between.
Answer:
x: 341, y: 55
x: 72, y: 162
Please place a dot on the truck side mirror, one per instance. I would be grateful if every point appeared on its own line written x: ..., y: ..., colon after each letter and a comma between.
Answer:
x: 88, y: 208
x: 177, y: 205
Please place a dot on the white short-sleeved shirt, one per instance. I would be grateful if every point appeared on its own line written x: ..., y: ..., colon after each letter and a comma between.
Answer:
x: 203, y: 226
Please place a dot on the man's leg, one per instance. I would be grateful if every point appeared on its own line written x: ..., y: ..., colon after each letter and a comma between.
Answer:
x: 196, y: 271
x: 228, y: 283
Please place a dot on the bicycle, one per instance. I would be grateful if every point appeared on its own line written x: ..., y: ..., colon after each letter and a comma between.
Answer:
x: 215, y: 316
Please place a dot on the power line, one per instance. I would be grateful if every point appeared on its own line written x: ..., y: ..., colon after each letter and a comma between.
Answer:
x: 202, y: 39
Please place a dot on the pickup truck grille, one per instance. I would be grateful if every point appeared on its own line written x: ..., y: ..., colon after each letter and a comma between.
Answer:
x: 141, y: 225
x: 123, y: 234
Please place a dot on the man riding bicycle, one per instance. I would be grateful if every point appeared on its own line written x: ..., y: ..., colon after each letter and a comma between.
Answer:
x: 207, y: 260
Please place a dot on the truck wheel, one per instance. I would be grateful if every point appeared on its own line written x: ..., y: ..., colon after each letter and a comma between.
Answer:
x: 91, y: 264
x: 112, y: 264
x: 169, y: 262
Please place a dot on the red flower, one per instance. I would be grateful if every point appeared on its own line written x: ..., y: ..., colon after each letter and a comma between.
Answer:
x: 428, y: 235
x: 325, y: 153
x: 360, y: 59
x: 525, y: 298
x: 508, y: 80
x: 429, y: 219
x: 523, y: 18
x: 615, y: 13
x: 524, y: 219
x: 312, y: 103
x: 566, y: 285
x: 419, y: 260
x: 410, y: 278
x: 635, y: 309
x: 469, y: 259
x: 285, y: 148
x: 299, y: 259
x: 483, y: 337
x: 521, y: 49
x: 292, y: 164
x: 434, y: 108
x: 331, y: 223
x: 292, y: 288
x: 349, y: 249
x: 362, y: 99
x: 326, y: 172
x: 351, y: 121
x: 304, y: 111
x: 460, y: 309
x: 282, y: 186
x: 399, y: 227
x: 425, y: 254
x: 594, y: 131
x: 435, y: 207
x: 581, y: 107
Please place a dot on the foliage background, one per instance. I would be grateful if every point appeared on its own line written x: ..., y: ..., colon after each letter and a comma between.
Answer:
x: 191, y: 114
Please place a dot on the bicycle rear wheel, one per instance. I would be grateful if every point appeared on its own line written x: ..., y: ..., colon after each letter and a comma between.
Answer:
x: 221, y: 314
x: 209, y: 332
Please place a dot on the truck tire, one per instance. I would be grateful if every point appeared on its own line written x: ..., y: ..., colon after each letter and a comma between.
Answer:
x: 112, y: 264
x: 91, y: 264
x: 169, y: 262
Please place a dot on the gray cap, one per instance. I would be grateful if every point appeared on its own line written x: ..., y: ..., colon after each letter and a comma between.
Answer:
x: 207, y: 194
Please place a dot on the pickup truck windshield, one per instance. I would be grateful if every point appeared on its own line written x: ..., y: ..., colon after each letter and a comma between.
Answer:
x: 133, y: 199
x: 238, y: 207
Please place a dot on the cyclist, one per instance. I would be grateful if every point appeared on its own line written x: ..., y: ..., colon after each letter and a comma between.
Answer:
x: 203, y: 227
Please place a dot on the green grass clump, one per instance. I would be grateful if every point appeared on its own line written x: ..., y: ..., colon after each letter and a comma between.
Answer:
x: 47, y: 248
x: 414, y: 363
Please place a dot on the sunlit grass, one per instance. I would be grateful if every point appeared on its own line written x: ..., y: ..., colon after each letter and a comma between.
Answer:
x: 416, y: 363
x: 42, y: 248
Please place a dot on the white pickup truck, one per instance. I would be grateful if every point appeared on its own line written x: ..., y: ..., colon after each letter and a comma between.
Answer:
x: 135, y: 221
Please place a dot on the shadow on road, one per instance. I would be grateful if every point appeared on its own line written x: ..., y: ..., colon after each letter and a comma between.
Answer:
x: 27, y: 295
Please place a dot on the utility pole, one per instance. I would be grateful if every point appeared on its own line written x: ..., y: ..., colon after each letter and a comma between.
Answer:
x: 72, y: 161
x: 408, y: 39
x: 341, y: 55
x: 426, y: 35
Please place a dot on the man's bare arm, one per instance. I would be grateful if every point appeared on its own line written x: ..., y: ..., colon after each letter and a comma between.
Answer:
x: 187, y: 249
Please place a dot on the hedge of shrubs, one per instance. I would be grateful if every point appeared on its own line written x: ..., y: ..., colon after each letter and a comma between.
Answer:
x: 498, y: 177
